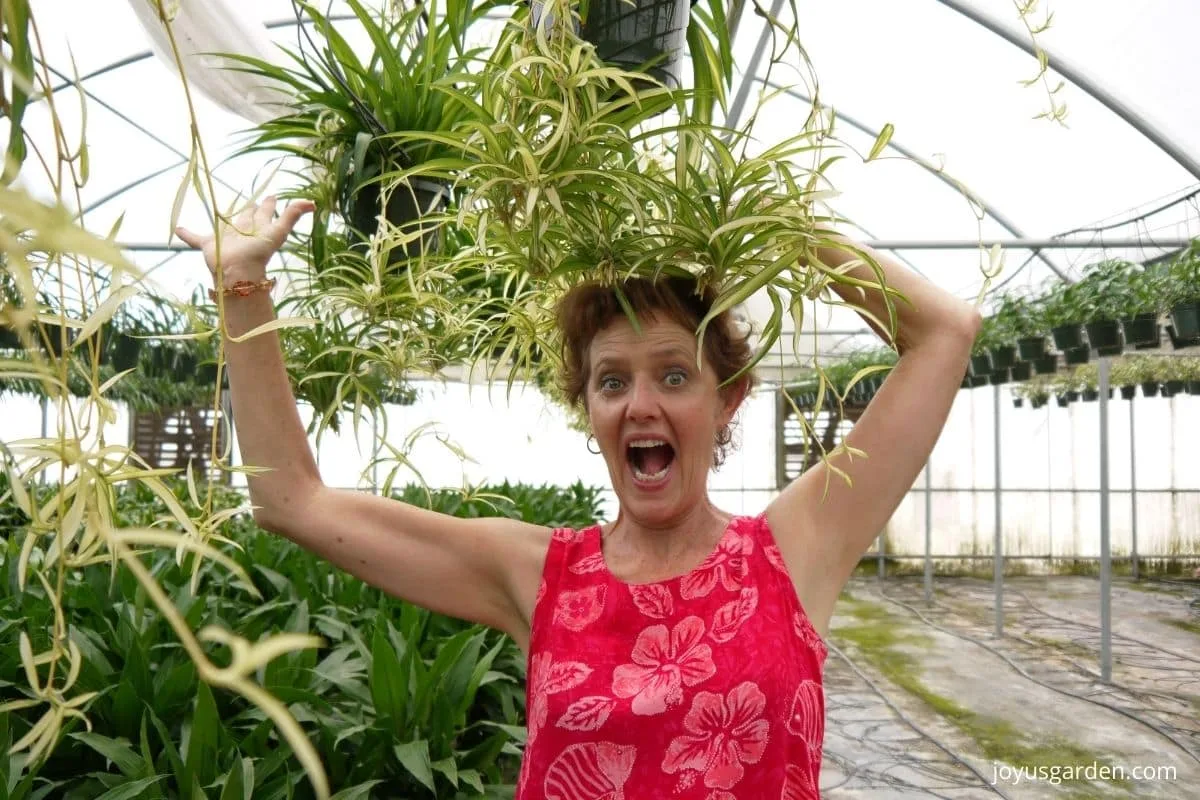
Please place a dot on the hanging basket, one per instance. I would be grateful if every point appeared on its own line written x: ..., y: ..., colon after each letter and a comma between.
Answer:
x: 1150, y: 389
x: 1105, y: 337
x: 1193, y: 387
x: 1178, y: 342
x: 1046, y: 365
x: 1031, y: 348
x: 639, y: 36
x: 1128, y: 392
x: 1072, y: 396
x: 981, y: 364
x: 1004, y: 357
x: 1068, y: 337
x: 1078, y: 355
x: 1090, y: 395
x: 1018, y: 402
x: 54, y: 338
x: 1021, y: 371
x: 9, y: 340
x: 123, y: 351
x: 979, y: 380
x: 1172, y: 388
x: 999, y: 377
x: 1186, y: 318
x: 1141, y: 330
x: 408, y: 206
x: 1062, y: 400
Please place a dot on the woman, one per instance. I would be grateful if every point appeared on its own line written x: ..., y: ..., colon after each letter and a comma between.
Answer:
x: 676, y: 651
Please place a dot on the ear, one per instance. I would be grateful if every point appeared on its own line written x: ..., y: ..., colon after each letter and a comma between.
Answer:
x: 733, y: 396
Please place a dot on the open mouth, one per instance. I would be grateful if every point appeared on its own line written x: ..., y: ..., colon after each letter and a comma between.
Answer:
x: 650, y: 459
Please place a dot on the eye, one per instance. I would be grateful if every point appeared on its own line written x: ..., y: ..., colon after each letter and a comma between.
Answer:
x: 676, y: 373
x: 609, y: 384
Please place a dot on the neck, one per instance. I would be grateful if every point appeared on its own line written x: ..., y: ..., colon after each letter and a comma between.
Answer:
x: 663, y: 544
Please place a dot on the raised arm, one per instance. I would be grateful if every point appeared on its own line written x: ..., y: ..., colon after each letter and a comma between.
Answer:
x: 824, y: 525
x: 480, y: 570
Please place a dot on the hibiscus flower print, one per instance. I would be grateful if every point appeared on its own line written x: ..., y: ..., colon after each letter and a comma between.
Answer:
x: 577, y: 609
x: 547, y: 678
x: 726, y: 565
x: 725, y: 733
x: 799, y: 785
x: 663, y: 663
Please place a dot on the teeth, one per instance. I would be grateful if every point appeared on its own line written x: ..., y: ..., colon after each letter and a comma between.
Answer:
x: 658, y: 476
x: 647, y: 443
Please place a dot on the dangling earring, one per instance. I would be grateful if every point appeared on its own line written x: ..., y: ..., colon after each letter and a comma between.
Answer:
x: 591, y: 438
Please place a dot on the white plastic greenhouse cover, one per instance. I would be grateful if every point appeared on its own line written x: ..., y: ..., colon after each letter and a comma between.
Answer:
x: 949, y: 83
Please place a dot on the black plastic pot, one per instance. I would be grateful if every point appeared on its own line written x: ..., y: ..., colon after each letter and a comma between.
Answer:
x: 1193, y: 387
x: 981, y: 364
x: 124, y: 350
x: 185, y: 367
x: 406, y: 207
x: 1173, y: 388
x: 1021, y: 371
x: 1105, y: 337
x: 1178, y: 342
x: 1068, y: 337
x: 1078, y: 355
x: 1018, y: 402
x: 1031, y: 348
x: 1037, y: 402
x: 1046, y: 365
x: 1004, y: 357
x: 1150, y: 388
x: 1186, y: 318
x: 1090, y: 395
x: 162, y: 361
x: 1062, y: 400
x: 1128, y: 392
x: 1073, y: 396
x: 1147, y: 346
x: 979, y: 380
x: 632, y: 35
x: 1142, y: 329
x: 54, y: 337
x: 999, y: 377
x: 206, y: 374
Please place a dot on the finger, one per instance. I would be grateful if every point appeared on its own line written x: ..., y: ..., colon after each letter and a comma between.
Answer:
x: 189, y: 238
x: 265, y: 213
x: 292, y: 214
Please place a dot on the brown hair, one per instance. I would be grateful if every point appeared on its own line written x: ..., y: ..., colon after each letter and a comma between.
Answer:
x: 591, y: 307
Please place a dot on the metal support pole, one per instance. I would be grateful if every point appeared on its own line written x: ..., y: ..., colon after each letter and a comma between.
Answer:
x: 1133, y: 489
x: 999, y: 546
x: 928, y: 537
x: 45, y: 430
x: 1105, y: 555
x: 879, y: 545
x: 375, y: 451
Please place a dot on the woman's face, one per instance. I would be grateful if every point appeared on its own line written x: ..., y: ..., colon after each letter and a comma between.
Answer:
x: 655, y: 416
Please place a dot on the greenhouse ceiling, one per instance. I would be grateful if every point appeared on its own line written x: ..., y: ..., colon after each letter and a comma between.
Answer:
x: 1119, y: 179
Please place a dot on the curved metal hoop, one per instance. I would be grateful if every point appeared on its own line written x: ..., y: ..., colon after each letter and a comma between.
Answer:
x: 591, y: 438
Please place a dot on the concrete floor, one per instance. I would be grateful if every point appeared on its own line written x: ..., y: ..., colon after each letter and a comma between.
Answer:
x: 925, y: 701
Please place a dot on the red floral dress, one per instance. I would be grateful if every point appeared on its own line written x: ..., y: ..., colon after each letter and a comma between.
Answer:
x: 704, y: 686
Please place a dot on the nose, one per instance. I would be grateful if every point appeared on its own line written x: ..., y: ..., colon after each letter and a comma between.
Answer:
x: 643, y: 401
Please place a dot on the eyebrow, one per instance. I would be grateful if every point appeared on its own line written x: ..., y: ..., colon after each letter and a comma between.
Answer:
x: 669, y: 351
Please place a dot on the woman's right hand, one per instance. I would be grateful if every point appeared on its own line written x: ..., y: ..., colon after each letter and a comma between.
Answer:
x: 249, y: 241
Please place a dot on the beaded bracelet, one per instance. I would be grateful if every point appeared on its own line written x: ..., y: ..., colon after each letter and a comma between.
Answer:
x: 243, y: 288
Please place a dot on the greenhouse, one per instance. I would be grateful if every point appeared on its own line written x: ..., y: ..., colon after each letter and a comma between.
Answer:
x: 579, y: 400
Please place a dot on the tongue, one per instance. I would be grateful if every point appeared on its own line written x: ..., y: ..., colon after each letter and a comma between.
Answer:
x: 655, y: 458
